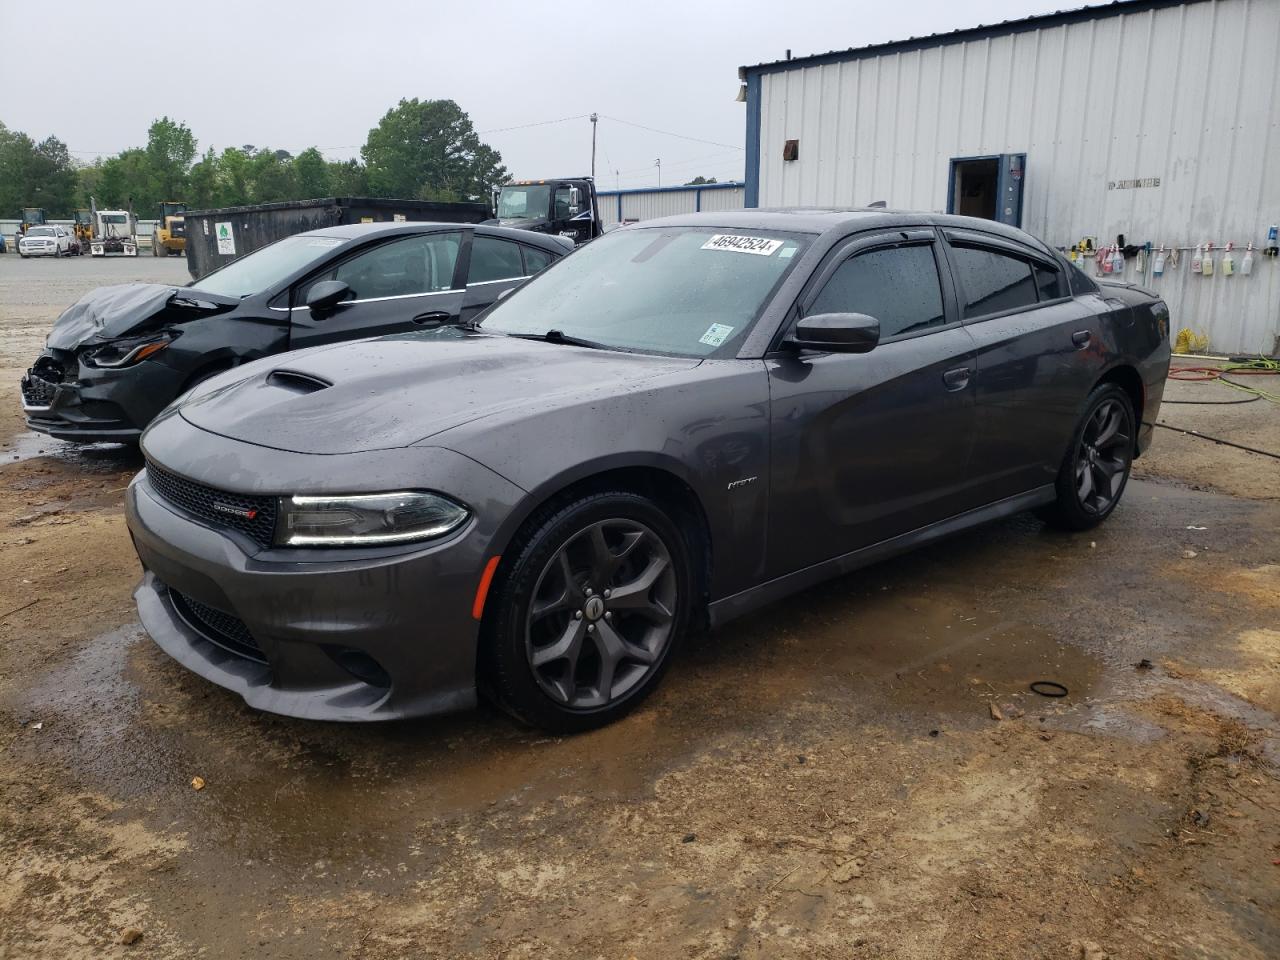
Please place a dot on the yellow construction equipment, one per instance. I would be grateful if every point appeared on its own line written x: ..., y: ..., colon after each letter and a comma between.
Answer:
x: 171, y: 233
x: 83, y: 228
x: 32, y: 217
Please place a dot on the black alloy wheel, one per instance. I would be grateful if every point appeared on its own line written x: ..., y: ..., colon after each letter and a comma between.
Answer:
x: 1096, y: 468
x: 602, y: 614
x: 583, y: 622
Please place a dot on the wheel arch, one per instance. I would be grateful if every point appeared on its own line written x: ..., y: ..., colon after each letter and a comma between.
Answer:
x: 665, y: 482
x: 1126, y: 376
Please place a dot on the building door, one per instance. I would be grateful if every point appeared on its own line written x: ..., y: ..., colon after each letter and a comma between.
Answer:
x: 988, y: 187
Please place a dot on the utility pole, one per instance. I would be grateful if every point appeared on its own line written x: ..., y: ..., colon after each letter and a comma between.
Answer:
x: 658, y: 163
x: 594, y: 118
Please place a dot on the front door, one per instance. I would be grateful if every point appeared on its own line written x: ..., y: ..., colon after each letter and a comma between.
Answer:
x: 404, y: 283
x: 869, y: 446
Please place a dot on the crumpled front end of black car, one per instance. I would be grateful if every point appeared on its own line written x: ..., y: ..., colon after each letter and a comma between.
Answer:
x: 66, y: 399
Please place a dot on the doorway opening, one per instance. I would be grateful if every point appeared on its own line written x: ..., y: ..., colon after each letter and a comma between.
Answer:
x: 989, y: 187
x: 974, y: 184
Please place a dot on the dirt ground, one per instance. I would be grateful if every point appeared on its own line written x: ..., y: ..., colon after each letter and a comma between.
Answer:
x: 829, y: 778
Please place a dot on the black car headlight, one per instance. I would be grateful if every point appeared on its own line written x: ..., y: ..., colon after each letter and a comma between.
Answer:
x: 125, y: 353
x: 366, y: 519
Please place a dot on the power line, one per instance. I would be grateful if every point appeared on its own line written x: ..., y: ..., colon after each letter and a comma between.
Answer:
x: 668, y: 133
x: 538, y: 123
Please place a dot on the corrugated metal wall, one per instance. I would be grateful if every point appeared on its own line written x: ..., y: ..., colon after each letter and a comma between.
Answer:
x: 668, y: 201
x: 1188, y: 94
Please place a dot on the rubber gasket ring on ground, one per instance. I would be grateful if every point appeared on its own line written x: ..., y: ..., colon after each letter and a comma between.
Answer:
x: 1049, y: 688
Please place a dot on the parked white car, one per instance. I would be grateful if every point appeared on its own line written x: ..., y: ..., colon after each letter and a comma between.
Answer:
x: 45, y: 242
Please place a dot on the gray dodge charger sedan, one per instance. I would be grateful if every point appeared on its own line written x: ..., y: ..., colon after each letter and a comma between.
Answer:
x: 683, y: 420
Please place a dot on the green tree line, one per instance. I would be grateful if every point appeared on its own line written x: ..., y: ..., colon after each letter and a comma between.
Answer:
x: 419, y: 150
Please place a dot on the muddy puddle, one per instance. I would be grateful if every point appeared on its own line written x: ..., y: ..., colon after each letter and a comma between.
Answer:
x: 29, y: 445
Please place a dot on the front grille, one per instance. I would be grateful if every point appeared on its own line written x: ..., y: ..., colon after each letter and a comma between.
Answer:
x: 219, y: 628
x: 255, y: 517
x: 37, y: 392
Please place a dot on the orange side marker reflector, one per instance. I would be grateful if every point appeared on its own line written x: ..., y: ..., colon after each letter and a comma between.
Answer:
x: 482, y: 591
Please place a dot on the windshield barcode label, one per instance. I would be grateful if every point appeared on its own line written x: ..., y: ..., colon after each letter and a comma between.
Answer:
x: 728, y: 241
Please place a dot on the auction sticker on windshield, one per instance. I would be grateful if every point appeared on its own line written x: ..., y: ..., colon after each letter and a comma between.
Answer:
x: 716, y: 334
x: 727, y: 241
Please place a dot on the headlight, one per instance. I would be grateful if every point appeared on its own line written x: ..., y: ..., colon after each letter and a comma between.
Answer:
x: 125, y: 353
x: 366, y: 519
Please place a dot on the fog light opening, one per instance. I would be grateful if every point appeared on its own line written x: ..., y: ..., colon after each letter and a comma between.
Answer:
x: 360, y: 665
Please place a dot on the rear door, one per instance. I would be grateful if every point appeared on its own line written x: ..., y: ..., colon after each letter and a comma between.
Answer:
x: 1038, y: 353
x: 403, y: 283
x: 497, y: 264
x: 869, y: 446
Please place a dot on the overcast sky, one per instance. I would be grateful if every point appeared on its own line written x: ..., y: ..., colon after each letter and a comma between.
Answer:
x: 295, y: 73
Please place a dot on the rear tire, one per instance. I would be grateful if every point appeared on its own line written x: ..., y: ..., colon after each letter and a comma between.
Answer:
x: 588, y: 614
x: 1096, y: 468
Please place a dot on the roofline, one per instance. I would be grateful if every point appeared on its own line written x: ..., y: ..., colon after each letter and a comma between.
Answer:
x: 980, y: 32
x: 682, y: 188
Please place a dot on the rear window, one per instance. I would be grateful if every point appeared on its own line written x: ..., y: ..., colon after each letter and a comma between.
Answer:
x: 1049, y: 282
x: 993, y: 282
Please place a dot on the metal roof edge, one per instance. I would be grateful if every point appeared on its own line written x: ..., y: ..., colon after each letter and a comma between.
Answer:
x: 964, y: 34
x: 684, y: 187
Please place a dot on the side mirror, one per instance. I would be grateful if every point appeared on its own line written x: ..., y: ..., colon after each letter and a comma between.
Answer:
x: 575, y: 200
x: 327, y: 294
x: 837, y: 332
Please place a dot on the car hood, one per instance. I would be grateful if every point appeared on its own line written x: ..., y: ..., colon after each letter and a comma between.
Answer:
x: 109, y: 312
x: 398, y: 390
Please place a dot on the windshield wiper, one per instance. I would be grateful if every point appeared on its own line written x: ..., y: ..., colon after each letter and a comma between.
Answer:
x: 559, y: 336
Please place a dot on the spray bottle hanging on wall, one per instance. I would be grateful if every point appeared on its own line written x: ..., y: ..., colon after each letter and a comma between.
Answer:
x: 1196, y: 260
x: 1246, y: 265
x: 1100, y: 261
x: 1157, y: 265
x: 1117, y: 260
x: 1228, y: 261
x: 1206, y: 265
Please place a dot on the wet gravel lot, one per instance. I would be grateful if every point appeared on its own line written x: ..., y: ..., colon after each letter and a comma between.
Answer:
x: 825, y: 779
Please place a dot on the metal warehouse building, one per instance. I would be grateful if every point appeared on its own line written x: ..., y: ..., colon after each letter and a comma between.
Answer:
x: 1158, y: 120
x: 644, y: 203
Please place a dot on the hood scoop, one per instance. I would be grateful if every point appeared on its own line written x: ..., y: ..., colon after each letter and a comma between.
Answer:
x: 295, y: 382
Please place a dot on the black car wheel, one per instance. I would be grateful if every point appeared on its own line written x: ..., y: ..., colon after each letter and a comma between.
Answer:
x: 589, y: 613
x: 1096, y: 468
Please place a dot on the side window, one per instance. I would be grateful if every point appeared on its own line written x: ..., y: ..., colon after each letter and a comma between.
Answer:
x: 400, y: 268
x: 534, y: 260
x: 562, y: 210
x: 898, y: 286
x: 991, y: 282
x: 494, y: 259
x: 1049, y: 282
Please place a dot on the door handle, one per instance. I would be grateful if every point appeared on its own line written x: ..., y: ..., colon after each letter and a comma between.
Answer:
x: 1081, y: 339
x: 957, y: 379
x: 435, y: 316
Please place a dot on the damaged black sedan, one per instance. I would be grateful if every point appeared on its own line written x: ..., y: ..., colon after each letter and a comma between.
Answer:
x: 122, y: 353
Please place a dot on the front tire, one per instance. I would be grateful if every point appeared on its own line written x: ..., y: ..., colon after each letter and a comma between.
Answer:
x: 598, y: 597
x: 1096, y: 468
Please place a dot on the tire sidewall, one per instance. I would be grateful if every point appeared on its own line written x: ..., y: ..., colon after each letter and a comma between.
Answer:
x: 504, y: 655
x: 1068, y: 498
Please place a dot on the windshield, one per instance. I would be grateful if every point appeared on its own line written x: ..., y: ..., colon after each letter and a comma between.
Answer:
x: 524, y: 203
x: 115, y: 218
x: 40, y: 232
x: 690, y: 292
x: 265, y: 268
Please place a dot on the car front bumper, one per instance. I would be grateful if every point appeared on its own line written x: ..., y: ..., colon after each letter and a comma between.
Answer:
x: 101, y: 405
x: 40, y: 251
x: 331, y: 634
